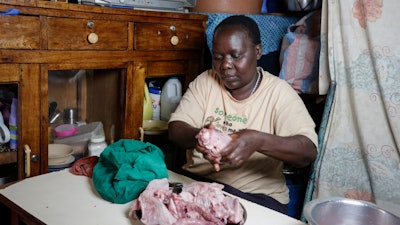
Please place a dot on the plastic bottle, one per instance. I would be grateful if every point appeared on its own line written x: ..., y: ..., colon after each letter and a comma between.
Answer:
x: 155, y: 95
x: 97, y: 145
x: 171, y: 94
x: 147, y: 106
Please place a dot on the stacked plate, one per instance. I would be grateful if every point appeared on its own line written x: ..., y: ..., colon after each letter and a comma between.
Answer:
x: 155, y: 127
x: 60, y: 156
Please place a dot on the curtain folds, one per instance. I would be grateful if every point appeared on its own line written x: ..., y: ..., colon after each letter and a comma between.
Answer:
x: 360, y: 151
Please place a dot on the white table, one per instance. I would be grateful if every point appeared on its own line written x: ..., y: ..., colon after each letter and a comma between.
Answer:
x: 61, y: 198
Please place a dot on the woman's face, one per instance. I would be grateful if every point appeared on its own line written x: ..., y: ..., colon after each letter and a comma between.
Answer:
x: 235, y: 59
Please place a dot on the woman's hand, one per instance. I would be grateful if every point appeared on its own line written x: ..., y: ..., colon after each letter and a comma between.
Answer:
x: 238, y: 149
x: 210, y: 143
x: 214, y: 159
x: 297, y: 150
x: 243, y: 144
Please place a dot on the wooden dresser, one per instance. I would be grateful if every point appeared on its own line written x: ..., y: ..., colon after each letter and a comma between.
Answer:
x: 117, y: 48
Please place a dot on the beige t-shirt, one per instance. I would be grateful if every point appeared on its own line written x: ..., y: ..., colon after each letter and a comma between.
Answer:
x: 274, y: 108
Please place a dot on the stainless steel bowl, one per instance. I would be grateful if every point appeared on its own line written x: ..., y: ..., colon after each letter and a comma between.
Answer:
x: 302, y: 5
x: 344, y: 211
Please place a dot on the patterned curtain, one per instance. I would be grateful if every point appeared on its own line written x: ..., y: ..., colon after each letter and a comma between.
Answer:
x: 360, y: 148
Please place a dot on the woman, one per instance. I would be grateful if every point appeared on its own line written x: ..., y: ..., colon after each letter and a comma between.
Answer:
x: 267, y: 121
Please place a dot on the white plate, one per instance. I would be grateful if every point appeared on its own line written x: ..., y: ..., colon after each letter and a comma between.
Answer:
x: 154, y: 132
x: 66, y: 163
x: 154, y: 127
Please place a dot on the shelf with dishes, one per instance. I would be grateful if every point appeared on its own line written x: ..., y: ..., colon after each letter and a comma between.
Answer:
x: 8, y: 156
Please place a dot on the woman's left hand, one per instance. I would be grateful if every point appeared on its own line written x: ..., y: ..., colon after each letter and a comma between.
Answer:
x: 244, y: 143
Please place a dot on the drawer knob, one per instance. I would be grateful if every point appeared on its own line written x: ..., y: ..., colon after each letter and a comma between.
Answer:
x: 93, y: 38
x: 174, y: 40
x: 90, y: 24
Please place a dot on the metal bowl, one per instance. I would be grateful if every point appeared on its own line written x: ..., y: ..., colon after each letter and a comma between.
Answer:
x: 343, y: 211
x: 302, y: 5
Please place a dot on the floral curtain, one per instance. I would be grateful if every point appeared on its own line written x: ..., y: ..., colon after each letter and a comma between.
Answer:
x: 360, y: 145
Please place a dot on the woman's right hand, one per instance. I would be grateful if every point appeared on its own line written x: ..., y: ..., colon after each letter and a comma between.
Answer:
x: 211, y: 142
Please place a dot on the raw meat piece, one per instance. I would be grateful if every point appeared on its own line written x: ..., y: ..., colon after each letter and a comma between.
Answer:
x: 199, y: 203
x: 235, y: 210
x: 214, y: 141
x: 191, y: 221
x: 202, y: 214
x: 84, y: 166
x: 210, y: 196
x: 177, y: 206
x: 152, y: 203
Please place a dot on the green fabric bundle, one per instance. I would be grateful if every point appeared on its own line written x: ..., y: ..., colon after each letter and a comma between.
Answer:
x: 125, y: 168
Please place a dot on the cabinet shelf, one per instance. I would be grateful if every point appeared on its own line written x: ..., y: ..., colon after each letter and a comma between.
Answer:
x: 8, y: 157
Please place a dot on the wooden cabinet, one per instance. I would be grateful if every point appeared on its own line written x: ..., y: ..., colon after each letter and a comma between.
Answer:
x: 168, y: 36
x: 115, y: 49
x: 28, y: 110
x: 23, y: 32
x: 74, y: 34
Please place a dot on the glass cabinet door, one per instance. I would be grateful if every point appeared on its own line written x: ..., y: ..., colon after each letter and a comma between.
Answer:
x: 8, y: 132
x: 83, y: 103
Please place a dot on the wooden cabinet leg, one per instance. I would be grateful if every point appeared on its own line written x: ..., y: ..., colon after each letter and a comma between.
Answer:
x: 14, y: 218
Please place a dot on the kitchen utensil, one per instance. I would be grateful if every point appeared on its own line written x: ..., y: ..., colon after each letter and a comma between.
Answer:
x: 176, y: 187
x: 52, y: 108
x: 70, y: 116
x: 55, y: 116
x: 343, y: 211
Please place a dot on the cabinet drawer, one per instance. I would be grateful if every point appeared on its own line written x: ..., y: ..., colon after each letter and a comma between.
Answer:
x: 83, y: 34
x: 19, y: 32
x: 174, y: 36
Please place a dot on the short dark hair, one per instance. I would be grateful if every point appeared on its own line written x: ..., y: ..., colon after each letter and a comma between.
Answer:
x: 245, y: 22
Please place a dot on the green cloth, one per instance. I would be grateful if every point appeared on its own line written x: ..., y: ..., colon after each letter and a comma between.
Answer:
x: 125, y: 168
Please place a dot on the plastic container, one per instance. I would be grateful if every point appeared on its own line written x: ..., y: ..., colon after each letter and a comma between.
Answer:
x: 155, y: 95
x: 171, y: 95
x: 97, y: 145
x: 80, y: 140
x: 147, y: 106
x: 65, y: 130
